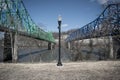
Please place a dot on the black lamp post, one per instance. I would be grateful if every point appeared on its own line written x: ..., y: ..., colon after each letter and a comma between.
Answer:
x: 59, y: 27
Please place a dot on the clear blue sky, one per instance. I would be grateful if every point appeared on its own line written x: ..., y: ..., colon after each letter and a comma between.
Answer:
x: 75, y: 13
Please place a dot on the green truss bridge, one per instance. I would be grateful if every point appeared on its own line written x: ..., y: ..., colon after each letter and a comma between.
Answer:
x: 14, y: 19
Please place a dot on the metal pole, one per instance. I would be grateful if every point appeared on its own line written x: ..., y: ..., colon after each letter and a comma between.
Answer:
x: 59, y: 55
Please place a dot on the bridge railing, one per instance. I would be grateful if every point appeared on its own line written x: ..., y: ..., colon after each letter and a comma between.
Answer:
x: 107, y: 24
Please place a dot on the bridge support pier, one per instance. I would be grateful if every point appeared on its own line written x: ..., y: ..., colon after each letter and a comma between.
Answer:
x: 15, y: 47
x: 10, y: 47
x: 7, y: 54
x: 68, y: 45
x: 116, y: 47
x: 49, y: 45
x: 111, y: 47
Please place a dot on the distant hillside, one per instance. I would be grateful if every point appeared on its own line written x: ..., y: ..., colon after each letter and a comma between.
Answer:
x: 56, y: 34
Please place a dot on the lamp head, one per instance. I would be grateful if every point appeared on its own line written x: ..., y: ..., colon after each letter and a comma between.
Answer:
x: 59, y: 18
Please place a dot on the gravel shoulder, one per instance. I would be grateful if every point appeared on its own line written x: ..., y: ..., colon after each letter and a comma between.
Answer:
x: 101, y: 70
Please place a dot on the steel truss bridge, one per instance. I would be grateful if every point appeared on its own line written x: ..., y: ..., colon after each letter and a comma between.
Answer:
x: 107, y: 24
x: 15, y: 18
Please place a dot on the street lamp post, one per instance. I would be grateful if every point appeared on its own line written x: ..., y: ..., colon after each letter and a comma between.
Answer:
x: 59, y: 27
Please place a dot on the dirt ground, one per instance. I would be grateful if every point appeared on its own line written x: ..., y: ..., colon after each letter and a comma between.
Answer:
x: 96, y: 70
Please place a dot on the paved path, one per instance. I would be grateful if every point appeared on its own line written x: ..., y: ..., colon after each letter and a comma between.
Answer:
x: 102, y: 70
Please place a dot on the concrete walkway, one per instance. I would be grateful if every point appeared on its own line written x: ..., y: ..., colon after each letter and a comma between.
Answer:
x: 102, y: 70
